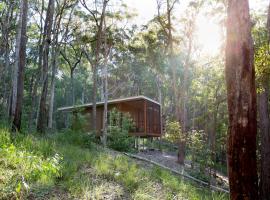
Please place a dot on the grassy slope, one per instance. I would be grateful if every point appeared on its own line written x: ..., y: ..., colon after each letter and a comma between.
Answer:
x: 67, y: 165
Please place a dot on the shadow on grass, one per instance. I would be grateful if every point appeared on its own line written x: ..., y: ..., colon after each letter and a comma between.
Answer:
x: 70, y: 165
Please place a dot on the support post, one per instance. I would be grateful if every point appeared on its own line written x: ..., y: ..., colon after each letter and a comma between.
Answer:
x: 138, y: 143
x: 159, y: 145
x: 145, y: 120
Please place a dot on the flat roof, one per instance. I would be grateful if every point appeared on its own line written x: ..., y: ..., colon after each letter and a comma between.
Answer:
x: 141, y: 97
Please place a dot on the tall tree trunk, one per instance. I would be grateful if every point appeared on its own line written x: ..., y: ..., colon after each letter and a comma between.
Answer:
x: 185, y: 83
x: 184, y: 94
x: 55, y: 54
x: 17, y: 96
x: 212, y: 138
x: 96, y: 65
x: 241, y: 94
x: 94, y: 99
x: 105, y: 114
x: 54, y: 70
x: 33, y: 105
x: 42, y: 116
x: 264, y: 124
x: 102, y: 89
x: 181, y: 153
x: 172, y: 61
x: 6, y: 71
x: 5, y: 50
x: 105, y: 81
x: 83, y: 96
x: 160, y: 100
x: 35, y: 99
x: 72, y: 87
x: 265, y: 142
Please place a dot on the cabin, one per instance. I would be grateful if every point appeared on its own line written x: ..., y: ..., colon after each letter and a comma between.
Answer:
x: 145, y: 113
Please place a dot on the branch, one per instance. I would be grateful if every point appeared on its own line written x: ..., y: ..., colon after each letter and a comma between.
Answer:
x: 88, y: 57
x: 77, y: 62
x: 90, y: 11
x: 174, y: 2
x: 159, y: 18
x: 66, y: 59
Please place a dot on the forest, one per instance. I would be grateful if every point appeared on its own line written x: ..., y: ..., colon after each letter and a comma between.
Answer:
x: 125, y: 99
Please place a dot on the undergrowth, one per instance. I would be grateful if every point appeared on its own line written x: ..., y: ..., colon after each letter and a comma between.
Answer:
x: 69, y: 164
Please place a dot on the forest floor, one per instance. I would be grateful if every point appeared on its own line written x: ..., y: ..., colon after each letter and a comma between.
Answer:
x: 69, y: 165
x: 169, y: 159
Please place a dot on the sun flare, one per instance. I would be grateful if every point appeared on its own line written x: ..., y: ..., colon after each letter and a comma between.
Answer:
x: 209, y: 36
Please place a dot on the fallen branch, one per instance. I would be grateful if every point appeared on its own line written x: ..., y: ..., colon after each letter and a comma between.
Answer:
x: 178, y: 173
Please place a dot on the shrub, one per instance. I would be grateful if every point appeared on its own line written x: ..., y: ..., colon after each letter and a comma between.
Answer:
x: 5, y: 138
x: 75, y: 138
x: 173, y: 132
x: 119, y: 139
x: 79, y: 121
x: 200, y: 153
x: 23, y: 164
x: 119, y: 127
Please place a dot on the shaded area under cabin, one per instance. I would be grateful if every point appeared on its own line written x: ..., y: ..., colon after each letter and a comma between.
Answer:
x: 144, y: 112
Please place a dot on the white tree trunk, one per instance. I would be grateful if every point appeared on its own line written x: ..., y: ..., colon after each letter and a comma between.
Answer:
x: 105, y: 114
x: 51, y: 103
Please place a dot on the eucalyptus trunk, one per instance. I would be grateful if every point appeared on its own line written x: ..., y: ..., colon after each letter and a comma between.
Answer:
x: 72, y: 87
x: 17, y: 96
x: 105, y: 114
x: 265, y: 142
x: 241, y: 97
x: 96, y: 64
x: 52, y: 90
x: 43, y: 111
x: 264, y: 124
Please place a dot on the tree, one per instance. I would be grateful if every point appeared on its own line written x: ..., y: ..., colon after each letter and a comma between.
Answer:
x: 73, y: 64
x: 37, y: 60
x: 106, y: 54
x: 60, y: 14
x: 18, y: 73
x: 95, y: 63
x: 42, y: 115
x: 165, y: 21
x: 262, y: 62
x: 174, y: 134
x: 241, y: 94
x: 8, y: 22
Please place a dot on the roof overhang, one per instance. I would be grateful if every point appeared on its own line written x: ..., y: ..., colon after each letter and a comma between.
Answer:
x: 69, y: 108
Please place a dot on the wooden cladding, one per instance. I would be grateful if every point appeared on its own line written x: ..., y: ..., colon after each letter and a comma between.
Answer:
x: 145, y: 114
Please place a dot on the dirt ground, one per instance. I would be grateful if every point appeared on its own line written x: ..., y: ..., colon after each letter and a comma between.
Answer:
x: 169, y: 159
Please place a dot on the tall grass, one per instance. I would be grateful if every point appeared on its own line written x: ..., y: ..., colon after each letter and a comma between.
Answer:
x: 33, y: 165
x: 25, y: 162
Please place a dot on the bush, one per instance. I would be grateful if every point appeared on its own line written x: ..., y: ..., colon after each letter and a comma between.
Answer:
x: 25, y: 162
x: 119, y: 139
x: 173, y: 132
x: 5, y: 139
x: 75, y: 138
x: 79, y: 122
x: 118, y: 131
x: 200, y: 153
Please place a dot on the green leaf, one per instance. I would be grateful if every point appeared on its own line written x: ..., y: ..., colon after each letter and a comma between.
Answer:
x: 18, y: 188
